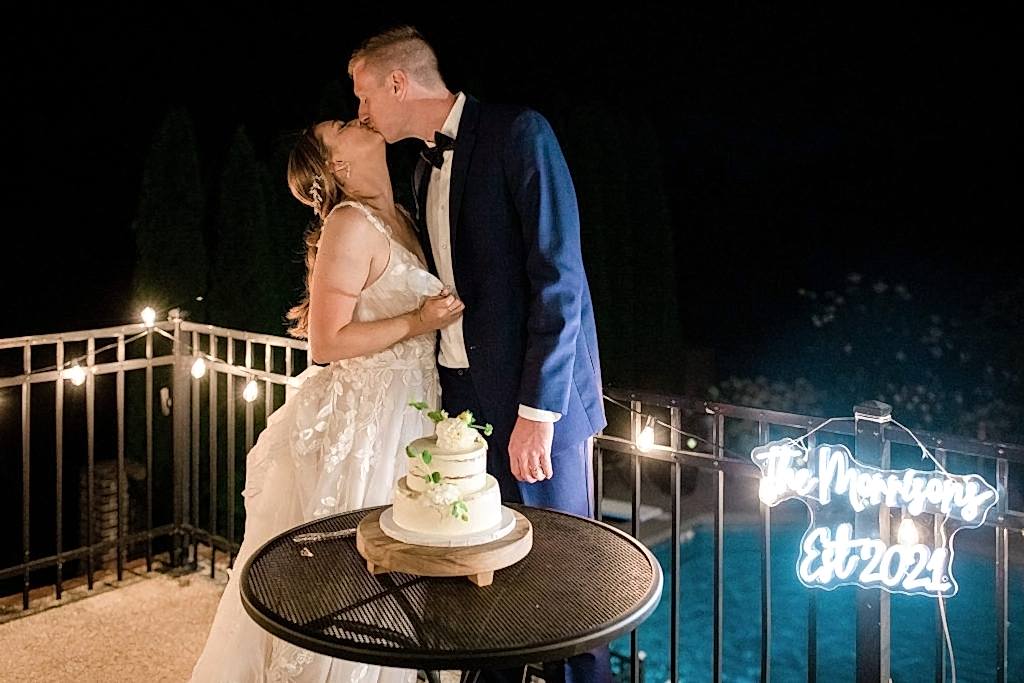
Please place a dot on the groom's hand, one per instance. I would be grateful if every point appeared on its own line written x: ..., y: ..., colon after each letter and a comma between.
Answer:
x: 529, y: 450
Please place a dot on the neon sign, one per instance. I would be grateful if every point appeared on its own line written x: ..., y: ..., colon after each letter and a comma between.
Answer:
x: 837, y: 490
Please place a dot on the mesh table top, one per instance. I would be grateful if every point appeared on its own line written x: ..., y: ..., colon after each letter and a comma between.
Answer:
x: 582, y: 585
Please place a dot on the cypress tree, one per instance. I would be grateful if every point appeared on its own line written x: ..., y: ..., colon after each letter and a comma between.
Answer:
x: 243, y: 279
x: 171, y: 262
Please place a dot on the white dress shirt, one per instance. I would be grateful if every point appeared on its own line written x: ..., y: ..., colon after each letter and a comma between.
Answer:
x: 453, y: 344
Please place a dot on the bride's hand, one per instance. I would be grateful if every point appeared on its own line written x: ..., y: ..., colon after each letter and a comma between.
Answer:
x: 440, y: 311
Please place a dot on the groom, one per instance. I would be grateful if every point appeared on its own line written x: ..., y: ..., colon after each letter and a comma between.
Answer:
x: 497, y: 215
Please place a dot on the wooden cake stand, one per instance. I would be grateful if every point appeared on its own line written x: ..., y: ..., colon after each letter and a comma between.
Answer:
x: 476, y: 562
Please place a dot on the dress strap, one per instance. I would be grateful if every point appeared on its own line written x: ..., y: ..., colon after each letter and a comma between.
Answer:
x: 370, y: 216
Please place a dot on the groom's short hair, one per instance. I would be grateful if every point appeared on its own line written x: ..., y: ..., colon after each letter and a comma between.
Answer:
x: 401, y: 47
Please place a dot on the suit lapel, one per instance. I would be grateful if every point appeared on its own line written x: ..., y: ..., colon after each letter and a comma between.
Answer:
x: 420, y: 184
x: 465, y: 140
x: 420, y: 181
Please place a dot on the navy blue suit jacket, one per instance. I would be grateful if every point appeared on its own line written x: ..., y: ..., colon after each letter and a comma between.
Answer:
x: 515, y: 235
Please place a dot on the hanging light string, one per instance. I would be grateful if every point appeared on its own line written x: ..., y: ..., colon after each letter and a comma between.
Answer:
x: 199, y: 367
x: 73, y: 370
x: 948, y: 642
x: 924, y: 451
x: 72, y: 363
x: 649, y: 430
x: 799, y: 441
x: 148, y: 317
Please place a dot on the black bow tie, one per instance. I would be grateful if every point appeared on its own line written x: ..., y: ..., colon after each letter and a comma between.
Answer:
x: 435, y: 155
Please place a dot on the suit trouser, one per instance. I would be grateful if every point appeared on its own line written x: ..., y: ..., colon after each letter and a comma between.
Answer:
x: 571, y: 489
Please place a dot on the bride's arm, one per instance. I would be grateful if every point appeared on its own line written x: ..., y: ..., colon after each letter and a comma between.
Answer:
x: 342, y: 270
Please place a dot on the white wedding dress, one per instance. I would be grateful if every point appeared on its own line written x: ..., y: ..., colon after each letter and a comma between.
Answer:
x: 335, y: 445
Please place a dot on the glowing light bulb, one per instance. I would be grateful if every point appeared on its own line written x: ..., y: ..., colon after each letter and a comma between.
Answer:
x: 645, y: 439
x: 149, y: 316
x: 199, y: 368
x: 251, y: 391
x: 907, y: 535
x: 691, y: 443
x: 76, y: 374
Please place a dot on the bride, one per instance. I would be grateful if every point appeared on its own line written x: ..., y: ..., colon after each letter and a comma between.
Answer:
x: 371, y: 312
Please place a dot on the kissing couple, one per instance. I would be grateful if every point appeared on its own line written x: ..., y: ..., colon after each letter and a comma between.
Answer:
x: 474, y: 298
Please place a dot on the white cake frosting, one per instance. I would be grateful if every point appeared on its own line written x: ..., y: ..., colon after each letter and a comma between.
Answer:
x: 413, y: 511
x: 448, y: 491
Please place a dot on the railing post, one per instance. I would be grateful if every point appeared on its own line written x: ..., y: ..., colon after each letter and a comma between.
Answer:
x: 1002, y: 558
x: 181, y: 434
x: 873, y: 623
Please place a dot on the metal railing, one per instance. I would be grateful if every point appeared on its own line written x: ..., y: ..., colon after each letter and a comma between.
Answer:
x: 190, y: 453
x: 140, y: 359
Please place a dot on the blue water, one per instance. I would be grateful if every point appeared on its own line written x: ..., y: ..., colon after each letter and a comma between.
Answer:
x: 970, y: 615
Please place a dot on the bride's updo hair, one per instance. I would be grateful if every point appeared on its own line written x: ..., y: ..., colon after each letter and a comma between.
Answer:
x: 309, y: 176
x: 313, y: 184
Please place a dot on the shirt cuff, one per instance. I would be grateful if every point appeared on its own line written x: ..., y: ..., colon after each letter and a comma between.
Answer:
x: 538, y: 415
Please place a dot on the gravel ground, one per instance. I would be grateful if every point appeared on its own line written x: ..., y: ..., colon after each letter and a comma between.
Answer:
x: 150, y: 627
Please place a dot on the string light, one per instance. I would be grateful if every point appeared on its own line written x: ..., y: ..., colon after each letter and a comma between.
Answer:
x: 907, y: 535
x: 75, y: 374
x: 251, y: 391
x: 644, y: 442
x: 692, y: 439
x: 73, y: 371
x: 645, y: 439
x: 199, y: 367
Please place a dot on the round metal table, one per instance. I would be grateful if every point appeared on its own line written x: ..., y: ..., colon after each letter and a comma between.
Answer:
x: 582, y: 585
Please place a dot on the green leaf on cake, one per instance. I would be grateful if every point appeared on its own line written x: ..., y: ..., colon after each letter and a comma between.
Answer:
x: 460, y: 510
x: 435, y: 477
x: 427, y: 457
x: 418, y: 405
x: 438, y: 415
x: 410, y: 452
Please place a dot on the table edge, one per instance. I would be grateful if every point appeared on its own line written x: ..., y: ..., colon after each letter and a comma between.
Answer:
x: 477, y: 659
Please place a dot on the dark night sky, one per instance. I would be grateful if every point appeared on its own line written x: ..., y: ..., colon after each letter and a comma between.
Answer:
x: 797, y: 145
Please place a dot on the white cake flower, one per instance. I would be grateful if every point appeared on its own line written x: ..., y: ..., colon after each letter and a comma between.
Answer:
x: 455, y: 434
x: 444, y: 495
